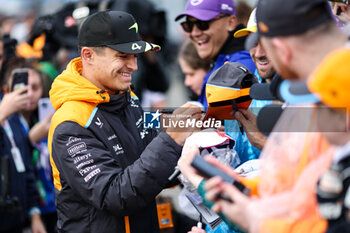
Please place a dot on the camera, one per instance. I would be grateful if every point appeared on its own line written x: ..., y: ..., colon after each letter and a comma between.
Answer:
x: 8, y: 204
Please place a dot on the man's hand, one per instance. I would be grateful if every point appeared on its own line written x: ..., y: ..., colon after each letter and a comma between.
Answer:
x: 13, y: 102
x: 40, y: 130
x: 235, y: 211
x: 189, y: 151
x: 248, y: 120
x: 179, y: 133
x: 37, y: 225
x: 196, y: 230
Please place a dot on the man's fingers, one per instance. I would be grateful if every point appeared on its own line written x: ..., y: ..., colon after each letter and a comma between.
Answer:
x: 231, y: 191
x: 247, y: 114
x: 212, y: 183
x: 217, y: 207
x: 240, y: 117
x: 212, y: 194
x: 226, y: 168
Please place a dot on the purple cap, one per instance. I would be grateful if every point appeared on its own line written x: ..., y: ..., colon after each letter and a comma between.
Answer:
x: 208, y: 9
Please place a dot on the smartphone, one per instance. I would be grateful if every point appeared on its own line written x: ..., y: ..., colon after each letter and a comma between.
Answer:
x: 20, y: 79
x: 208, y: 170
x: 44, y: 108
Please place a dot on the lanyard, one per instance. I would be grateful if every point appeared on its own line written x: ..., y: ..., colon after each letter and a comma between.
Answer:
x: 9, y: 133
x: 24, y: 124
x: 16, y: 154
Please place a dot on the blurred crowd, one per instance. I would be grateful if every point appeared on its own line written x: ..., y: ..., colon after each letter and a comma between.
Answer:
x: 275, y: 75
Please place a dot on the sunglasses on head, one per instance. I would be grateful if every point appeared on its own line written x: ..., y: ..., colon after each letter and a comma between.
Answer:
x: 187, y: 26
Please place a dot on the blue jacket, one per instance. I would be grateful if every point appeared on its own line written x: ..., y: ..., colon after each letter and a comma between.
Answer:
x: 22, y: 185
x: 232, y: 51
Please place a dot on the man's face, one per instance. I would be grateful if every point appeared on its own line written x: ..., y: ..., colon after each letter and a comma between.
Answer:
x: 209, y: 42
x: 275, y: 57
x: 262, y: 63
x: 112, y: 70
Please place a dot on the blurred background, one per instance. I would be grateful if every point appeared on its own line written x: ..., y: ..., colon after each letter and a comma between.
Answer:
x: 156, y: 23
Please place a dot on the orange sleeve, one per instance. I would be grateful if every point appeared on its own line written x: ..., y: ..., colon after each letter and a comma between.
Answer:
x: 309, y: 225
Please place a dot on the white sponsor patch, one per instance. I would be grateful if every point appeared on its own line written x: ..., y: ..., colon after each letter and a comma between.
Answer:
x: 92, y: 174
x: 77, y: 148
x: 112, y: 137
x: 118, y: 149
x: 135, y: 46
x: 99, y: 123
x: 143, y: 133
x: 86, y: 170
x: 84, y: 163
x: 80, y: 158
x: 133, y: 104
x: 196, y: 2
x: 226, y: 7
x: 138, y: 122
x: 72, y: 140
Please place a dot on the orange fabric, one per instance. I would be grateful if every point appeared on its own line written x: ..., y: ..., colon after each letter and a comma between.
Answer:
x: 309, y: 154
x: 291, y: 164
x: 35, y: 51
x: 313, y: 225
x: 73, y: 106
x: 252, y: 184
x: 127, y: 224
x: 326, y: 81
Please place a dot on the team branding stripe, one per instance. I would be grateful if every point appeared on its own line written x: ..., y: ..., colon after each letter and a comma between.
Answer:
x: 91, y: 117
x: 127, y: 224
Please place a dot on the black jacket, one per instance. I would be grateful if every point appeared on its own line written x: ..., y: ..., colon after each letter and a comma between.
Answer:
x: 107, y: 168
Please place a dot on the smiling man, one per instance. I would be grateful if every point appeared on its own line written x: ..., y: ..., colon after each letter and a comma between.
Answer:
x: 264, y: 69
x: 107, y: 167
x: 210, y: 24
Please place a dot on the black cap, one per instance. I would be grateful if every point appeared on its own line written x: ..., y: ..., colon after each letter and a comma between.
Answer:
x: 251, y: 41
x: 117, y: 30
x: 227, y: 89
x: 267, y: 91
x: 276, y: 18
x: 268, y: 117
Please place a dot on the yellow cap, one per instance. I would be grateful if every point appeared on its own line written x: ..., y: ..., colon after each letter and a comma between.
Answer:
x: 251, y: 26
x: 330, y: 82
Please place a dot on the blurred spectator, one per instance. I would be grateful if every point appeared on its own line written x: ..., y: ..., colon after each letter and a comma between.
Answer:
x: 40, y: 84
x: 37, y: 131
x: 265, y: 73
x: 341, y: 11
x: 243, y: 12
x: 21, y: 29
x: 210, y: 28
x: 21, y: 200
x: 194, y: 67
x: 287, y: 179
